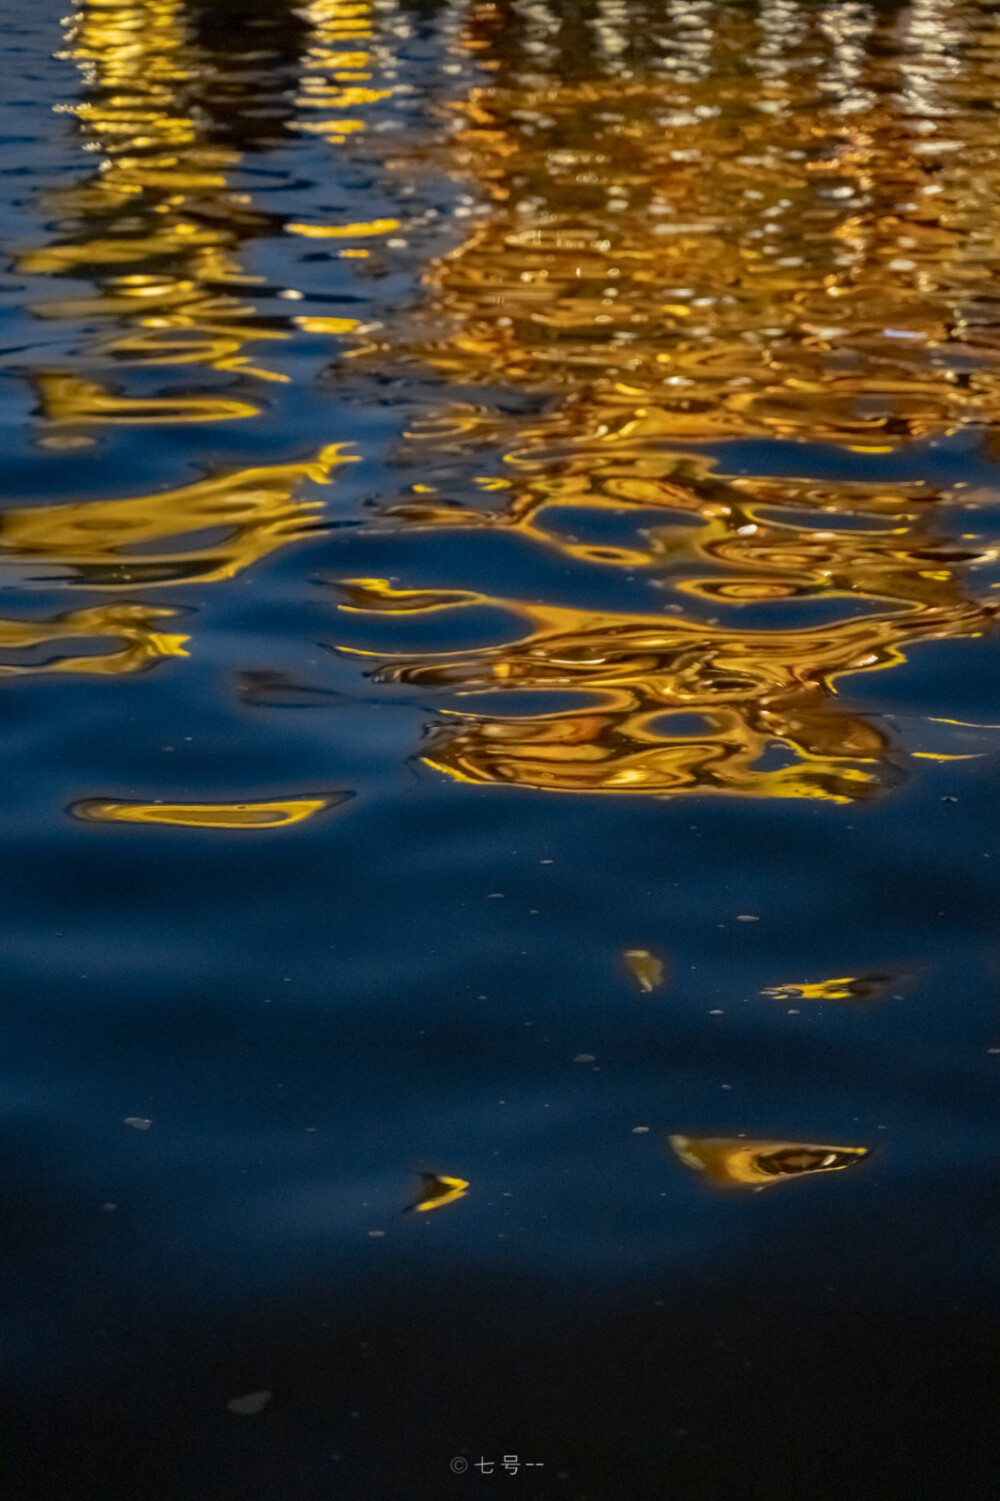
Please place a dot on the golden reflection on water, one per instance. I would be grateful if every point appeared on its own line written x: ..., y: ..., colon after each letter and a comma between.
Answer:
x: 135, y: 626
x: 341, y: 69
x: 734, y: 1162
x: 259, y: 815
x: 694, y: 222
x: 753, y: 692
x: 227, y: 523
x: 712, y: 222
x: 155, y: 225
x: 784, y: 223
x: 154, y: 228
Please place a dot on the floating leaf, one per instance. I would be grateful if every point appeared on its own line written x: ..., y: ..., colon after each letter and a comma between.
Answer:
x: 439, y: 1190
x: 734, y: 1162
x: 848, y: 988
x: 645, y: 968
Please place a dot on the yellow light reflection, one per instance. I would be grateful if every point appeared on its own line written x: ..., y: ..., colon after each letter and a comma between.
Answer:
x: 751, y: 229
x: 751, y: 694
x: 155, y: 224
x: 135, y: 626
x: 343, y: 231
x: 257, y: 815
x: 341, y: 68
x: 228, y: 524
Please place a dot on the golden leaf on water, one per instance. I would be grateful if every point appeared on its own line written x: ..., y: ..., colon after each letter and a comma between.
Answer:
x: 437, y: 1190
x: 259, y: 815
x: 645, y: 968
x: 734, y: 1162
x: 849, y: 988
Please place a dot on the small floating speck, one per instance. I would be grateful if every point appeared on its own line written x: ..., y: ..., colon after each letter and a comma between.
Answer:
x: 250, y: 1405
x: 640, y: 1130
x: 137, y: 1122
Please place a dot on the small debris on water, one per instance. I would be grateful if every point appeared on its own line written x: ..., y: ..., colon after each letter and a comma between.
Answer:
x: 585, y: 1058
x: 250, y: 1405
x: 137, y: 1122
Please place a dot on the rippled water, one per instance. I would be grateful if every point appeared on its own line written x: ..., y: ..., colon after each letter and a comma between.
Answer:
x: 500, y: 541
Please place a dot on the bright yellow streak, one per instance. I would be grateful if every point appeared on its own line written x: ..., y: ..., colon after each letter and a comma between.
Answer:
x: 343, y: 231
x: 438, y: 1191
x: 327, y: 325
x: 264, y: 815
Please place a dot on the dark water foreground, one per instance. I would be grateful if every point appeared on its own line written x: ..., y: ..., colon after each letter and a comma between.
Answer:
x: 500, y: 550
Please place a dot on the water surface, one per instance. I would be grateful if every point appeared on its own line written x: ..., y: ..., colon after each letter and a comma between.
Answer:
x: 500, y: 547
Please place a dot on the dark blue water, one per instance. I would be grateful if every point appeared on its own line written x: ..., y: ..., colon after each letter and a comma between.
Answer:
x: 461, y: 723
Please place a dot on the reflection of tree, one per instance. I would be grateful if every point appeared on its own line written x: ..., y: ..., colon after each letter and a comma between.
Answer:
x: 714, y: 223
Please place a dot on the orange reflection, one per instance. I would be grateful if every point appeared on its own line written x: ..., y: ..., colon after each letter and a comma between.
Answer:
x: 782, y: 228
x: 260, y: 815
x: 135, y: 626
x: 753, y: 692
x: 735, y: 224
x: 227, y: 523
x: 155, y: 225
x: 344, y: 59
